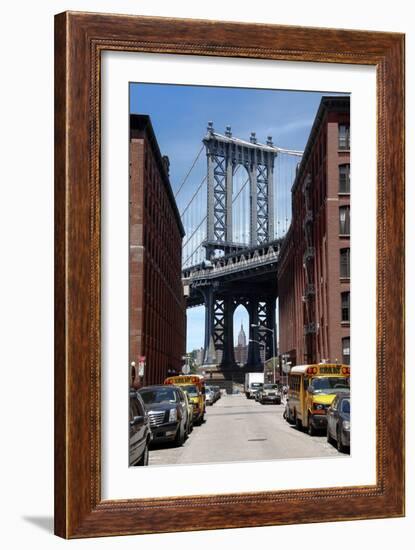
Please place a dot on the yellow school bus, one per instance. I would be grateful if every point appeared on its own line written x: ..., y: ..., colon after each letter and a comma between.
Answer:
x: 194, y: 386
x: 311, y: 390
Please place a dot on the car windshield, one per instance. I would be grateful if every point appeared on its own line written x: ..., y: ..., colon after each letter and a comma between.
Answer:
x: 346, y: 406
x: 190, y: 390
x: 256, y: 385
x: 270, y: 387
x: 328, y: 384
x: 162, y: 395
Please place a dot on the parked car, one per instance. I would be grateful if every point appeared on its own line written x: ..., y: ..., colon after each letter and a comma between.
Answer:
x: 168, y: 413
x: 140, y: 433
x: 210, y: 397
x: 216, y: 392
x: 257, y: 394
x: 338, y: 422
x: 253, y: 383
x: 270, y: 394
x: 216, y: 389
x: 189, y: 411
x: 194, y: 386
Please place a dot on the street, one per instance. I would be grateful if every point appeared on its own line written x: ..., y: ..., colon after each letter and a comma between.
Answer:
x: 238, y: 429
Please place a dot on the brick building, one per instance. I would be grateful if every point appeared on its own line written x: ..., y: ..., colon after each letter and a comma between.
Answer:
x: 314, y: 269
x: 157, y: 307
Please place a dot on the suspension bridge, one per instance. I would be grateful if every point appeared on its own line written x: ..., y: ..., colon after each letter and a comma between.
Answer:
x: 235, y: 217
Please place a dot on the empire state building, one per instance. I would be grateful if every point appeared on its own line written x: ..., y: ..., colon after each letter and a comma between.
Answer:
x: 242, y: 337
x: 241, y: 350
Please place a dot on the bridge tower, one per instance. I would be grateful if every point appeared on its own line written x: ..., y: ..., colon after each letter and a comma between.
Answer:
x: 224, y: 154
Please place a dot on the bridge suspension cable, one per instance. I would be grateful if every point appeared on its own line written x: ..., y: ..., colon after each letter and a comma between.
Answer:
x: 193, y: 196
x: 192, y: 254
x: 291, y: 152
x: 240, y: 190
x: 198, y: 227
x: 188, y: 173
x: 194, y: 212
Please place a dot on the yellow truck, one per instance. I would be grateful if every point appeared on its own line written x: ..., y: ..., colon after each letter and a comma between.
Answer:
x: 312, y: 389
x: 194, y: 386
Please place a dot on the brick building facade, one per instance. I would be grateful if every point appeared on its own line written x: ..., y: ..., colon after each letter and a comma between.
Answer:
x: 157, y: 307
x: 314, y: 269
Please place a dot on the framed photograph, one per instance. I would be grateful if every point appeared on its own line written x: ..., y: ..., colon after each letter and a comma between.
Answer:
x: 229, y: 276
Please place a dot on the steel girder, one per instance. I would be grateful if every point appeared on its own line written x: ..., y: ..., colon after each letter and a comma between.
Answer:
x: 224, y: 154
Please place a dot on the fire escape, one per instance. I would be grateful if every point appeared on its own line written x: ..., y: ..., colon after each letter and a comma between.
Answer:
x: 310, y: 325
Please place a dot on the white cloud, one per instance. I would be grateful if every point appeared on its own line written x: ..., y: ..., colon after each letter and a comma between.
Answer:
x: 289, y: 127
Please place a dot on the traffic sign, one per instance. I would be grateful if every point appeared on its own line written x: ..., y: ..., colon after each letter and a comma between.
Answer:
x: 286, y: 367
x: 186, y: 369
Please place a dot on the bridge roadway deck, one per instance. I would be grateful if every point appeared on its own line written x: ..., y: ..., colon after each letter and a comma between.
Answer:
x: 235, y: 274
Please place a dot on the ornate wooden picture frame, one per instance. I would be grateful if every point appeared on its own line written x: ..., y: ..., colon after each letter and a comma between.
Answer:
x: 80, y: 38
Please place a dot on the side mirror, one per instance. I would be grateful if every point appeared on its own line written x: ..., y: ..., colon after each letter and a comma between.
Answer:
x: 310, y: 389
x: 137, y: 420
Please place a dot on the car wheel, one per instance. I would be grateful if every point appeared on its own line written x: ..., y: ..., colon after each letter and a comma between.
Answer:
x: 340, y: 447
x: 297, y: 422
x: 311, y: 429
x: 329, y: 438
x: 144, y: 459
x: 180, y: 436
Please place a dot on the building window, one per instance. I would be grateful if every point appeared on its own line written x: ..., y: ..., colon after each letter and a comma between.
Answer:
x: 346, y: 351
x: 344, y: 136
x: 344, y: 178
x: 344, y: 219
x: 345, y: 307
x: 345, y: 263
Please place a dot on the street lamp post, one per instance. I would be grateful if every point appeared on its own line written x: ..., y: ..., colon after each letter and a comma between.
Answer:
x: 273, y: 347
x: 186, y: 366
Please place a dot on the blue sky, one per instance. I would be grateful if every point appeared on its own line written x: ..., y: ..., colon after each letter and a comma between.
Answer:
x: 180, y: 114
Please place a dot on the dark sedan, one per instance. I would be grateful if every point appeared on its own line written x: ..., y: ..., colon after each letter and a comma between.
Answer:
x: 167, y: 412
x: 140, y: 433
x: 338, y: 422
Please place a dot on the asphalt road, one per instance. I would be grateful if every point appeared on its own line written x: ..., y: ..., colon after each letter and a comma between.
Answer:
x: 238, y: 429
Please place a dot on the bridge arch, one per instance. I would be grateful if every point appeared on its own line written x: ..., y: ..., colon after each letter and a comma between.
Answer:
x: 241, y: 205
x: 241, y: 334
